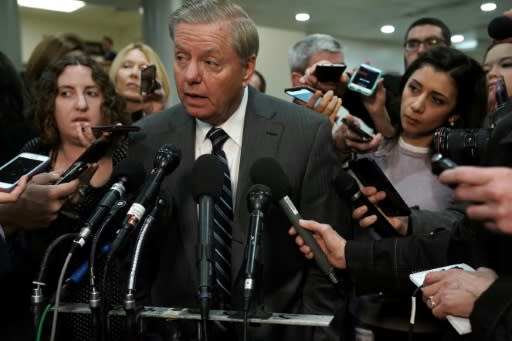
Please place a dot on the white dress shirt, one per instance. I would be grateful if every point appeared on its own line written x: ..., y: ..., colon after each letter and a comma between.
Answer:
x: 234, y: 127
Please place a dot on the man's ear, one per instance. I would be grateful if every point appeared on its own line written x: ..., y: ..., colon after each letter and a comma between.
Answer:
x: 296, y: 76
x: 249, y: 70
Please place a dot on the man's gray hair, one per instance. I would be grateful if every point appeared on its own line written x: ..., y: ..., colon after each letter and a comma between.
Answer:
x: 244, y: 35
x: 301, y: 52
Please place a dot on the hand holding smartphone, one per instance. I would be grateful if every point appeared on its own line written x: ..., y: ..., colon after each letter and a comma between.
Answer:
x: 365, y: 79
x: 355, y: 129
x: 148, y: 82
x: 27, y: 164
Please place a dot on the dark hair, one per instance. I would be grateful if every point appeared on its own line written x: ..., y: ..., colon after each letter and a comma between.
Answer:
x: 107, y: 38
x: 45, y: 92
x: 469, y: 78
x: 14, y: 131
x: 12, y: 92
x: 49, y: 50
x: 445, y: 31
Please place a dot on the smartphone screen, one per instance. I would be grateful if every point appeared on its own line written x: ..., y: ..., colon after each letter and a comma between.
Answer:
x: 364, y: 80
x: 148, y: 79
x: 301, y: 93
x: 23, y: 164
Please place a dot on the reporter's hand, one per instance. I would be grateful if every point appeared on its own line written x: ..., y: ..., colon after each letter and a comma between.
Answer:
x: 400, y: 224
x: 376, y: 107
x: 454, y: 291
x: 346, y: 141
x: 153, y: 101
x: 488, y: 189
x: 331, y: 243
x: 13, y: 196
x: 39, y: 204
x: 328, y: 105
x: 310, y: 79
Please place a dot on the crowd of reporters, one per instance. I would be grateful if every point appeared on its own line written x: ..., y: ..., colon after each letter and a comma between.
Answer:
x: 68, y: 95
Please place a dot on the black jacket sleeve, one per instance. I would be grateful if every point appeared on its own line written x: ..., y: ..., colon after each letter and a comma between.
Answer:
x: 491, y: 318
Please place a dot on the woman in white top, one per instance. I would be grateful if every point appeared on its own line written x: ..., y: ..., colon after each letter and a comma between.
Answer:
x: 443, y: 87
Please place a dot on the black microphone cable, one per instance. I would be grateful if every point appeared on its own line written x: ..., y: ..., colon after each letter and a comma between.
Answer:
x: 37, y: 298
x: 130, y: 304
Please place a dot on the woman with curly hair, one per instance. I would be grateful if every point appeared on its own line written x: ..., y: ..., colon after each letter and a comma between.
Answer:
x: 72, y: 95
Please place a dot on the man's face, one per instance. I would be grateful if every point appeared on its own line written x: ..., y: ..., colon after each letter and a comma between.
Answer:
x: 208, y: 72
x: 420, y: 39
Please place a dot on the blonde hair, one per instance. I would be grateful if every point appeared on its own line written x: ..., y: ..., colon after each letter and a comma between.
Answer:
x: 152, y: 58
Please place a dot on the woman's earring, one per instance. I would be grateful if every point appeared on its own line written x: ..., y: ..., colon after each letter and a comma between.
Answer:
x: 452, y: 124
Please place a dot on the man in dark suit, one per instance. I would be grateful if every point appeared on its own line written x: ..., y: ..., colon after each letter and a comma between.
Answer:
x: 216, y: 44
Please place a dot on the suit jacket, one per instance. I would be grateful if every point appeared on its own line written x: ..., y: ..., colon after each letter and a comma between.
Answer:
x: 300, y: 141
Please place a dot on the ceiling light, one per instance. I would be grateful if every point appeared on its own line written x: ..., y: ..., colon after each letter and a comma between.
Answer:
x: 387, y: 29
x: 488, y: 6
x: 302, y: 16
x: 468, y: 44
x: 457, y: 38
x: 66, y: 6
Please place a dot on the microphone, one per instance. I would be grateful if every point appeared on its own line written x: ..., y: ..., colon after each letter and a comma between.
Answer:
x: 92, y: 154
x: 206, y: 181
x: 258, y: 201
x: 267, y: 171
x: 346, y: 186
x: 129, y: 175
x: 500, y: 28
x: 165, y: 162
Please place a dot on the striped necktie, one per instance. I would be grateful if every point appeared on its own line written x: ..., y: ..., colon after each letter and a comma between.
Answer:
x: 222, y: 221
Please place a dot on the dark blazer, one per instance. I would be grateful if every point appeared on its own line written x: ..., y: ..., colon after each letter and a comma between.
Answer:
x: 301, y: 141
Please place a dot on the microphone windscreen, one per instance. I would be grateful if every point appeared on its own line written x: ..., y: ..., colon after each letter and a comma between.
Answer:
x: 259, y: 188
x: 345, y: 184
x: 167, y: 157
x: 500, y: 28
x: 95, y: 151
x: 207, y: 177
x: 268, y: 171
x: 132, y: 170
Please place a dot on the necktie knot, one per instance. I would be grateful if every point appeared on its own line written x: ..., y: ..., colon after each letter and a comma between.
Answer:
x: 217, y: 136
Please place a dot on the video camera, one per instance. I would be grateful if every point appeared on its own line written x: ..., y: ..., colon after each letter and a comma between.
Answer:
x: 469, y: 146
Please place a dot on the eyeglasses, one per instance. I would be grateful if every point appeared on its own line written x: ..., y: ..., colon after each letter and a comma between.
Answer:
x: 414, y: 44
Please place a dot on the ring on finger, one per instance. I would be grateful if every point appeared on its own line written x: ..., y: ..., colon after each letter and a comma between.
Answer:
x: 431, y: 302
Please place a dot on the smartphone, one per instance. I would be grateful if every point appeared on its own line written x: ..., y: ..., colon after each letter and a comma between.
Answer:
x: 148, y: 82
x: 360, y: 132
x: 364, y: 80
x: 329, y: 72
x: 23, y: 164
x: 302, y: 93
x: 111, y: 128
x: 370, y: 174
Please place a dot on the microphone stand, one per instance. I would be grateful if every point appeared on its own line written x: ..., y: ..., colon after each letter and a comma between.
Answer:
x: 205, y: 256
x: 258, y: 201
x: 130, y: 306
